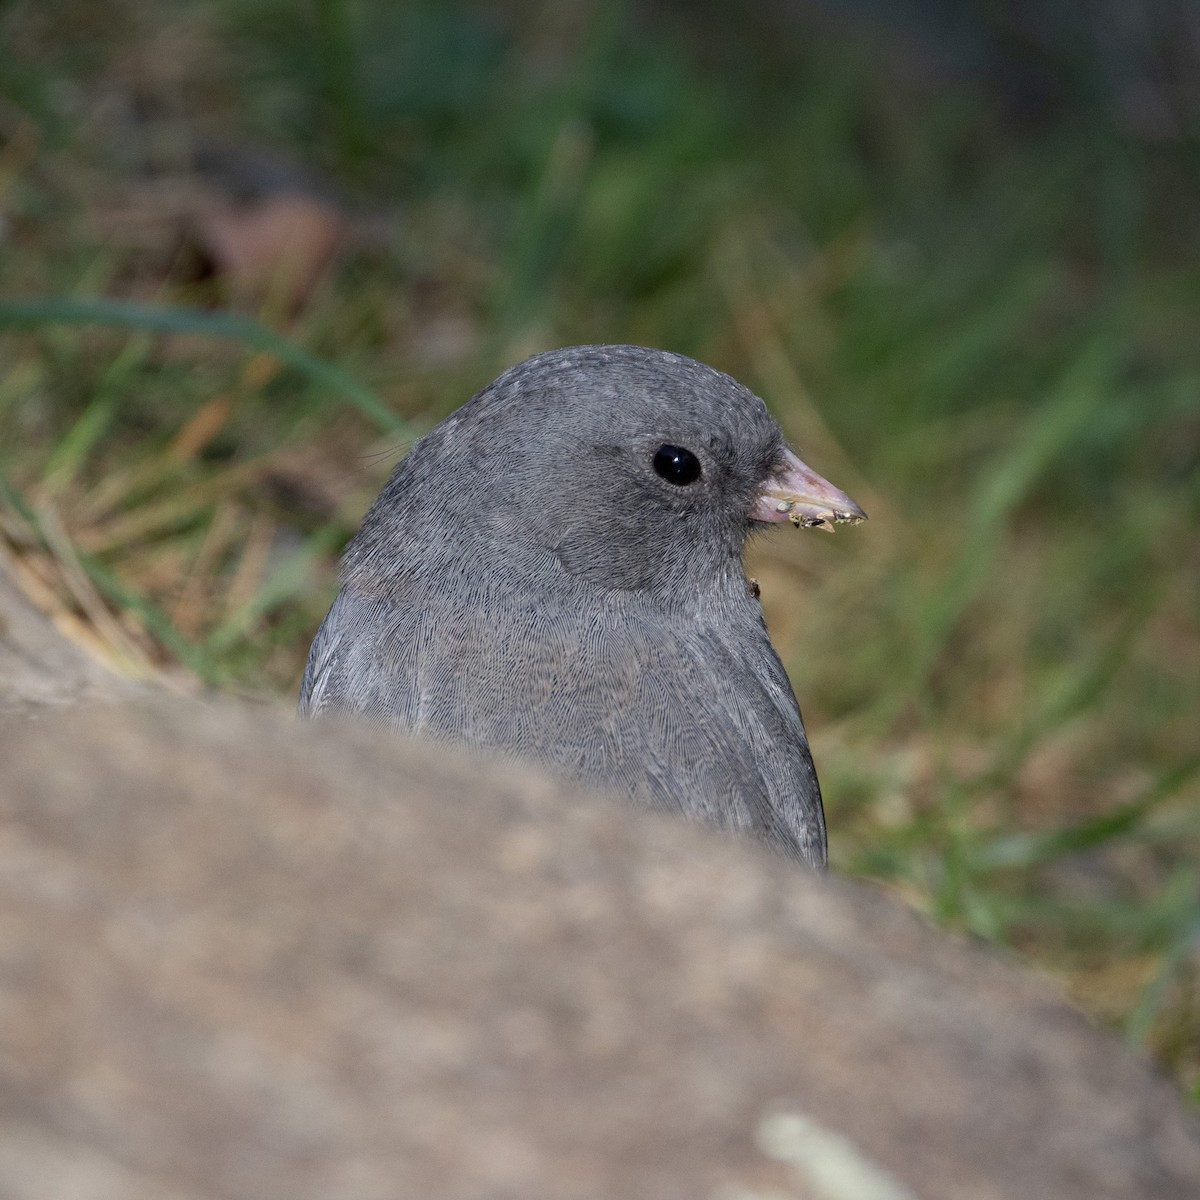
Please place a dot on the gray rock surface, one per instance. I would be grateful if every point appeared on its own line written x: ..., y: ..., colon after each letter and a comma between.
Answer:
x: 243, y: 957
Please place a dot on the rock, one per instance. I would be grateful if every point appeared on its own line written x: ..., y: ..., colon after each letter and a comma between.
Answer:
x: 244, y: 957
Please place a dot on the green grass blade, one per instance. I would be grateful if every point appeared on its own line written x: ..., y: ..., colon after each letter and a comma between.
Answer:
x: 1051, y: 428
x: 23, y: 314
x: 1181, y: 944
x: 1026, y: 850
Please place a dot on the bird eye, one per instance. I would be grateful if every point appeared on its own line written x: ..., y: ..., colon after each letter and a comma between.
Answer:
x: 676, y: 465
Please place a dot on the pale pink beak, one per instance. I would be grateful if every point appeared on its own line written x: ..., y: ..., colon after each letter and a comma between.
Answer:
x: 795, y: 492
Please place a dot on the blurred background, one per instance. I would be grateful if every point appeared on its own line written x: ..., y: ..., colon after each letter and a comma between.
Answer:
x: 250, y: 248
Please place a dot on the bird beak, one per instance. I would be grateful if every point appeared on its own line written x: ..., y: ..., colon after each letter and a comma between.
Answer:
x: 795, y: 492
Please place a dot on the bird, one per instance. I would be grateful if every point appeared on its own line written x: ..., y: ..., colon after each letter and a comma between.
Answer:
x: 555, y: 573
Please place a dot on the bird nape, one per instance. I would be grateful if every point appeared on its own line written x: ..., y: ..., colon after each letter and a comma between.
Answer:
x: 555, y: 573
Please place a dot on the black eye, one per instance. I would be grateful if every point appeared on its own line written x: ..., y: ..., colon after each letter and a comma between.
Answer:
x: 676, y: 465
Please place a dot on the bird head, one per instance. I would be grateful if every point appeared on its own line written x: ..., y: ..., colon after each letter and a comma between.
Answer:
x: 625, y: 467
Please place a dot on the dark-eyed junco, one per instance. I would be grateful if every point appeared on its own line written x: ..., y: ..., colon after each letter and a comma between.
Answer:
x: 555, y: 572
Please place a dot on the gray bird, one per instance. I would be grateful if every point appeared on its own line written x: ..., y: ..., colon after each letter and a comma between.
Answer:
x: 555, y: 572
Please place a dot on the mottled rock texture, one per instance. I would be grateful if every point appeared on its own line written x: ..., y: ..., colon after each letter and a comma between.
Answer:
x: 245, y: 957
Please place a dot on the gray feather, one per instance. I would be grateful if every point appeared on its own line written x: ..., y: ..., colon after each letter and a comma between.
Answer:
x: 526, y: 583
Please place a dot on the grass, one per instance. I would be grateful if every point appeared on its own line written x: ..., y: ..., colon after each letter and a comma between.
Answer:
x: 990, y: 340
